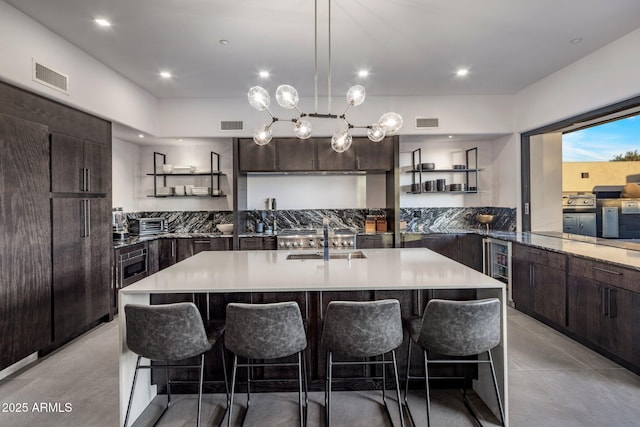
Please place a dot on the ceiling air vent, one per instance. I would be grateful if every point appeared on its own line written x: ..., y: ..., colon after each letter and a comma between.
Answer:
x: 423, y: 122
x: 50, y: 78
x: 231, y: 125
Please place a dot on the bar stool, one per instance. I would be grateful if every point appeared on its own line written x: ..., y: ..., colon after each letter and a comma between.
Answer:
x: 266, y: 332
x: 359, y: 330
x: 458, y: 329
x: 170, y: 333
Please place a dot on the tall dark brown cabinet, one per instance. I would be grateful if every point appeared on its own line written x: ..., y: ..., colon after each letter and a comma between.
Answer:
x: 55, y: 223
x: 25, y: 239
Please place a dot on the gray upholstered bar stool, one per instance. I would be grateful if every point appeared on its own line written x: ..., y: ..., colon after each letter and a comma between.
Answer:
x: 455, y: 329
x: 266, y: 332
x: 170, y: 333
x: 362, y: 330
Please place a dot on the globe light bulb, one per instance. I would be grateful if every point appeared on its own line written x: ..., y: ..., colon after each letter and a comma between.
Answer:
x: 341, y: 141
x: 302, y: 129
x: 391, y: 122
x: 259, y: 98
x: 376, y: 133
x: 356, y: 95
x: 262, y: 136
x: 287, y: 96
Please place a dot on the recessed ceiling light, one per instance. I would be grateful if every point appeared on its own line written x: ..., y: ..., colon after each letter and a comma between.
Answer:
x: 165, y: 74
x: 263, y: 74
x: 363, y: 73
x: 450, y: 136
x: 462, y: 72
x: 102, y: 22
x: 140, y: 135
x: 224, y: 42
x: 576, y: 40
x: 179, y: 139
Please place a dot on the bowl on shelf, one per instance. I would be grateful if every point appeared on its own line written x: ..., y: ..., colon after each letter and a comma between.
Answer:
x: 225, y: 228
x: 167, y: 168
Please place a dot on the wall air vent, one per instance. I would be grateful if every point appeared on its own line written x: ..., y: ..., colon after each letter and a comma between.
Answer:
x: 231, y: 125
x: 48, y: 77
x: 424, y: 122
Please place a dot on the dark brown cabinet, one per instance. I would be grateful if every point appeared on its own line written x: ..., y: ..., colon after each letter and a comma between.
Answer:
x: 463, y: 248
x: 71, y: 191
x: 81, y: 256
x: 256, y: 158
x: 600, y: 309
x: 25, y: 239
x: 373, y: 156
x: 257, y: 243
x: 296, y: 154
x: 315, y: 154
x: 539, y: 282
x: 329, y: 160
x: 78, y: 165
x: 164, y: 253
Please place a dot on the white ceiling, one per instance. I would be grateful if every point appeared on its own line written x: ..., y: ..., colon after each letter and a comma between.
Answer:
x: 411, y: 47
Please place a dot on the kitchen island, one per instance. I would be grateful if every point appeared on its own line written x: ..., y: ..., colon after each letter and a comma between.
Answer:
x: 238, y: 272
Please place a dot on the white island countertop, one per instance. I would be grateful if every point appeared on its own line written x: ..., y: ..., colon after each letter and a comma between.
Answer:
x: 267, y: 271
x: 270, y: 271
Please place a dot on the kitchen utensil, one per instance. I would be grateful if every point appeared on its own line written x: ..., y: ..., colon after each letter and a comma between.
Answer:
x: 430, y: 186
x: 260, y: 227
x: 167, y: 168
x: 200, y: 191
x: 428, y: 166
x: 441, y: 184
x: 459, y: 166
x: 179, y: 190
x: 188, y: 190
x: 415, y: 188
x: 457, y: 187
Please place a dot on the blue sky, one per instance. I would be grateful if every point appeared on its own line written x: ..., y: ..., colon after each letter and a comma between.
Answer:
x: 602, y: 143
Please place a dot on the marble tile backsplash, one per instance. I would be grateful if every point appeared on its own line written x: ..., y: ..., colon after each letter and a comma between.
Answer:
x: 433, y: 219
x: 417, y: 219
x: 188, y: 221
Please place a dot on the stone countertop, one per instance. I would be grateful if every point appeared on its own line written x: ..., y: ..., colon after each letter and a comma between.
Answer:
x: 625, y: 255
x: 132, y: 240
x: 260, y: 271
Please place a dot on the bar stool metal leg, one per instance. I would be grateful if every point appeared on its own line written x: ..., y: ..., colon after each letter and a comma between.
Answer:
x: 426, y: 387
x: 233, y: 387
x: 395, y: 371
x: 495, y: 385
x: 133, y: 387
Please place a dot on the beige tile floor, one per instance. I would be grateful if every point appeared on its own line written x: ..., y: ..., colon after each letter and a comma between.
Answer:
x: 553, y: 381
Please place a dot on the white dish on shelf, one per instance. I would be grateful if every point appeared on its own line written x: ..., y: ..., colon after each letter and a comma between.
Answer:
x: 200, y: 191
x: 164, y: 191
x: 167, y: 168
x: 184, y: 169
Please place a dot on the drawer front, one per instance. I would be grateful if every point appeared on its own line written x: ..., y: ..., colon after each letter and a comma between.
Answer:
x: 605, y: 273
x: 540, y: 256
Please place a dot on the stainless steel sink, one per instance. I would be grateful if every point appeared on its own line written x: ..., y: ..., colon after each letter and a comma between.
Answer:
x: 332, y: 255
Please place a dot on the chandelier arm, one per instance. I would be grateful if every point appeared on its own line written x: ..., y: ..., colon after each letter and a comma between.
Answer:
x: 347, y: 109
x: 269, y: 111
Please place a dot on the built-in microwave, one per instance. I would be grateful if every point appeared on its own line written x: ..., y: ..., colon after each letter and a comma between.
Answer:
x: 146, y: 226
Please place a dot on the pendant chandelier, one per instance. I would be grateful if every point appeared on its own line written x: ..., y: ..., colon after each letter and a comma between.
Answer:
x: 287, y: 97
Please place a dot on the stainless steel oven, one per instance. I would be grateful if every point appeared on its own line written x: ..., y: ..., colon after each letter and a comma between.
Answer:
x: 131, y: 265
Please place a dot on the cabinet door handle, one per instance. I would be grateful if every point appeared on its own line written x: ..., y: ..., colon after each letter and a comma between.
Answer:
x: 533, y: 276
x: 321, y: 306
x: 201, y: 242
x: 82, y: 177
x: 611, y: 303
x: 173, y: 248
x: 617, y: 273
x: 88, y: 182
x: 88, y: 218
x: 603, y: 298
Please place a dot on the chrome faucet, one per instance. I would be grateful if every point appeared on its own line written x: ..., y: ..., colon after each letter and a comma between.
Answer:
x: 325, y: 226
